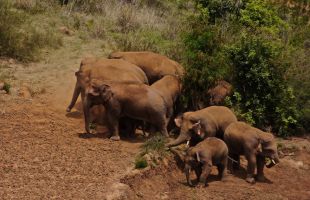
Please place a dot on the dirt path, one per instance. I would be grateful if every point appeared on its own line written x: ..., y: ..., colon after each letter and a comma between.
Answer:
x: 43, y: 154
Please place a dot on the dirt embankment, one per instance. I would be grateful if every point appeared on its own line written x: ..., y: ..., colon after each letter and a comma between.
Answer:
x: 44, y: 155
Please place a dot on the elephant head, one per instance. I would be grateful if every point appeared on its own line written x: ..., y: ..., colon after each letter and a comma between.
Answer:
x: 95, y: 95
x: 268, y: 149
x: 191, y: 160
x: 189, y: 125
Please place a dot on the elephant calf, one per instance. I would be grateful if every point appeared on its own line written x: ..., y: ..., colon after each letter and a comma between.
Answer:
x: 133, y: 100
x: 211, y: 151
x: 254, y: 144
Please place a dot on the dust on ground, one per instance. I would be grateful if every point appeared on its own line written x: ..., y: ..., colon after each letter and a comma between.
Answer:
x: 44, y: 154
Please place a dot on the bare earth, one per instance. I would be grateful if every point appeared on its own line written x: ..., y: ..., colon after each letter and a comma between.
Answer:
x: 44, y: 155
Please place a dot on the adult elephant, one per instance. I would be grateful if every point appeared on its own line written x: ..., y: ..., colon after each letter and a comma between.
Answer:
x: 208, y: 122
x: 169, y: 87
x: 154, y: 65
x: 254, y: 144
x: 134, y: 100
x: 104, y: 69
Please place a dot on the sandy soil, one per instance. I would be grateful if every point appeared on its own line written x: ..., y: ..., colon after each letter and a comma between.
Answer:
x: 44, y: 154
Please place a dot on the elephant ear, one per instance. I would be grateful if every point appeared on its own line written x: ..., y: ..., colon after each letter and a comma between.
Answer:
x: 197, y: 127
x: 106, y: 92
x: 178, y: 121
x: 93, y: 91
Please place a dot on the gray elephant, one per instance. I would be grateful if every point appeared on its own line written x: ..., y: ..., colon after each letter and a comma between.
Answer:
x: 134, y: 100
x: 254, y: 144
x: 211, y: 151
x: 154, y: 65
x: 208, y: 122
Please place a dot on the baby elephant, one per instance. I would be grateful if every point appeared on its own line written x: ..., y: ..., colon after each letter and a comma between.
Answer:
x: 254, y: 144
x: 211, y: 151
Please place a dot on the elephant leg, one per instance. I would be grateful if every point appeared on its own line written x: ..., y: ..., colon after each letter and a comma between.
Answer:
x: 198, y: 171
x: 86, y: 110
x: 114, y: 127
x: 251, y: 168
x: 221, y: 168
x: 206, y: 169
x: 260, y: 168
x: 163, y: 128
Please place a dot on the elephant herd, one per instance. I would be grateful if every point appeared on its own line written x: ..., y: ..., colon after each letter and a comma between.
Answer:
x: 142, y: 89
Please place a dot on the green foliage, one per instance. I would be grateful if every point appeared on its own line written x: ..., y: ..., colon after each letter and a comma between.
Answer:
x: 259, y: 79
x: 244, y: 42
x: 18, y: 38
x: 7, y: 87
x: 155, y: 144
x: 140, y: 163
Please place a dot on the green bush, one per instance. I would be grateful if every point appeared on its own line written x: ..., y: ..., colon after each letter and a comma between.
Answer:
x: 244, y: 43
x: 20, y: 40
x: 140, y: 163
x: 259, y: 79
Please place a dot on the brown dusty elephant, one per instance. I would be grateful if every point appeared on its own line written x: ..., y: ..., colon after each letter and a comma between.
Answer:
x: 134, y: 100
x: 154, y: 65
x: 254, y: 144
x: 169, y: 87
x: 104, y: 69
x: 218, y: 93
x: 208, y: 122
x: 209, y: 152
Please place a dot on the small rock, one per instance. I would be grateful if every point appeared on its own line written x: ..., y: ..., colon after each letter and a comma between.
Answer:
x: 24, y: 92
x: 1, y: 85
x: 117, y: 191
x: 65, y: 30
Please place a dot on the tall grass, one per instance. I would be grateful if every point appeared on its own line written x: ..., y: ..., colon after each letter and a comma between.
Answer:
x: 137, y: 26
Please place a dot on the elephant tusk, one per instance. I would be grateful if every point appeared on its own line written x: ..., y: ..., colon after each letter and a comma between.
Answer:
x: 272, y: 160
x: 187, y: 143
x: 198, y: 157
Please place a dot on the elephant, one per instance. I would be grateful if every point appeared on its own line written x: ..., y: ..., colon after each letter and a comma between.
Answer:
x: 154, y: 65
x: 104, y: 69
x: 255, y: 145
x: 208, y: 122
x: 211, y: 151
x: 219, y: 92
x: 169, y: 87
x: 134, y: 100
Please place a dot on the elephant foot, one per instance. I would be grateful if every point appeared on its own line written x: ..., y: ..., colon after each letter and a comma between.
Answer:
x: 68, y: 109
x: 250, y: 180
x: 115, y: 138
x: 260, y: 178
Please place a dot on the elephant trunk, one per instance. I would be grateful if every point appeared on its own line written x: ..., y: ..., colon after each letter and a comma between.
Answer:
x: 187, y: 173
x: 76, y: 93
x: 182, y: 138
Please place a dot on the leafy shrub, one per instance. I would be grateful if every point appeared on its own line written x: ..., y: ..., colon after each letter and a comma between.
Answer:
x: 259, y: 79
x: 244, y: 42
x: 155, y: 144
x: 140, y: 163
x: 18, y: 40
